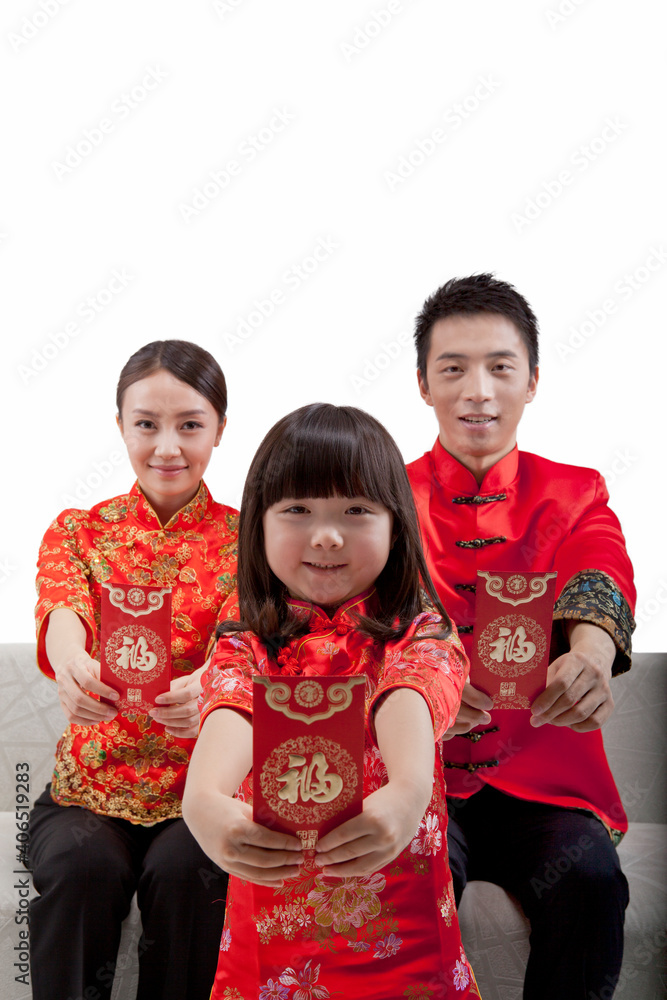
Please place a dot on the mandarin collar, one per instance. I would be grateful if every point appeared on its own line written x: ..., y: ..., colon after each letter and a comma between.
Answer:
x: 183, y: 518
x: 344, y: 615
x: 452, y: 474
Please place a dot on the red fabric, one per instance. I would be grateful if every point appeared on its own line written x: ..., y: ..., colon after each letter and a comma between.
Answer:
x: 130, y: 767
x: 318, y: 936
x: 554, y: 517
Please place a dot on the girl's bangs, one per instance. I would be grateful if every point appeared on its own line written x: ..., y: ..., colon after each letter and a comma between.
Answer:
x: 329, y: 451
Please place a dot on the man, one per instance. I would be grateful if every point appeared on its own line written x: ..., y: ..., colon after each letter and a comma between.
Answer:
x: 532, y: 793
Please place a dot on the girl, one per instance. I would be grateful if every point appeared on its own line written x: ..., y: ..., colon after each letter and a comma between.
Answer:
x: 109, y: 823
x: 329, y: 582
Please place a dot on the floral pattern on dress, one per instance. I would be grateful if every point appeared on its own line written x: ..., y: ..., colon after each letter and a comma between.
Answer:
x: 386, y: 924
x: 387, y: 946
x: 428, y: 839
x: 306, y: 983
x: 343, y: 903
x: 461, y: 972
x: 447, y: 904
x: 131, y: 768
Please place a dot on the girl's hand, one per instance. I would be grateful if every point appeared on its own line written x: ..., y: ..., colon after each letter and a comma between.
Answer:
x: 180, y: 715
x: 370, y: 841
x: 227, y: 834
x: 76, y: 675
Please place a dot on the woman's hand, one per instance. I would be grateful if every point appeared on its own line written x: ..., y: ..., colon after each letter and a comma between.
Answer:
x: 78, y: 678
x: 180, y: 714
x: 77, y: 674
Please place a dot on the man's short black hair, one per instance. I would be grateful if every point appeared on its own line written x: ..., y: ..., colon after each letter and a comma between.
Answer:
x: 479, y: 293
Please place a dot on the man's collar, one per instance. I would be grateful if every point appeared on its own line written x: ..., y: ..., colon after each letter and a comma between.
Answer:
x: 452, y: 474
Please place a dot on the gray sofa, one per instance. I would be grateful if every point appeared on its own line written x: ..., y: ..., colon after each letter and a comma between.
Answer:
x: 494, y: 929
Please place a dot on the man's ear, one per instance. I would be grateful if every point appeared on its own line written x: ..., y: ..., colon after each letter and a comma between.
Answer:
x: 423, y: 388
x: 532, y: 385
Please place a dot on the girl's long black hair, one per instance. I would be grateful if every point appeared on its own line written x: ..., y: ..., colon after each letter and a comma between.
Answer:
x: 323, y: 450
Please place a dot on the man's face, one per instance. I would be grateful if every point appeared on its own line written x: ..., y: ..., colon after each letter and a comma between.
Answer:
x: 478, y: 382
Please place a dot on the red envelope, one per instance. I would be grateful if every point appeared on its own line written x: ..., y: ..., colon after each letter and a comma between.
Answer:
x: 308, y: 753
x: 512, y: 636
x: 135, y: 644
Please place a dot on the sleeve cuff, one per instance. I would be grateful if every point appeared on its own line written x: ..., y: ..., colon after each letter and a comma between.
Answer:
x: 593, y: 596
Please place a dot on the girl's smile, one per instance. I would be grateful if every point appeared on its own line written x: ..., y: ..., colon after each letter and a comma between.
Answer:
x: 327, y: 549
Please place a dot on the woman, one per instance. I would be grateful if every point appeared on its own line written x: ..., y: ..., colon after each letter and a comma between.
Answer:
x: 110, y: 822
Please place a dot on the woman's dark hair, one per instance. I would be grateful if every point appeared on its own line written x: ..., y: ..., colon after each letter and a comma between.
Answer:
x: 478, y: 293
x: 185, y: 361
x: 323, y: 450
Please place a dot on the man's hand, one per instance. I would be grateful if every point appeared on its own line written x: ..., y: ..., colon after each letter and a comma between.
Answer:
x: 474, y: 711
x: 578, y: 693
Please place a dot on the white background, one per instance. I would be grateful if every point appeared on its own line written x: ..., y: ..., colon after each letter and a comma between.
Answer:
x: 520, y: 91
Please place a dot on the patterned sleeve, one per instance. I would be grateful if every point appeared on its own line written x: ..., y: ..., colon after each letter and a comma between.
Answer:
x: 62, y: 582
x: 592, y: 596
x: 437, y: 668
x: 227, y: 683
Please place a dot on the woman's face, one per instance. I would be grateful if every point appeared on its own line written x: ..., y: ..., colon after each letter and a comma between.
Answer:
x: 170, y: 431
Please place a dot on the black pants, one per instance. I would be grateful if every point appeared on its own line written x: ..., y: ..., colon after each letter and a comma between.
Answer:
x: 87, y: 868
x: 563, y: 868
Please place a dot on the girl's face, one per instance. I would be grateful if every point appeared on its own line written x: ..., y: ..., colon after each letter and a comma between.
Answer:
x: 327, y: 549
x: 170, y: 431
